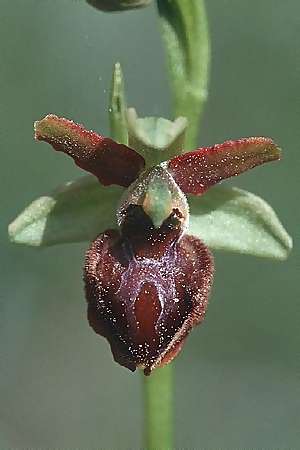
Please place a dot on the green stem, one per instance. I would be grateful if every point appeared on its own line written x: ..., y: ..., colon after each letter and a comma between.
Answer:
x: 186, y: 38
x: 158, y: 399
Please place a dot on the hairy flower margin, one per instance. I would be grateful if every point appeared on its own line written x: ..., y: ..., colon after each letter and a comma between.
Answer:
x: 147, y: 283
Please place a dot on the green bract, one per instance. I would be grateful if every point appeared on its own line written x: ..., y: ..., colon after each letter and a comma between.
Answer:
x: 117, y: 109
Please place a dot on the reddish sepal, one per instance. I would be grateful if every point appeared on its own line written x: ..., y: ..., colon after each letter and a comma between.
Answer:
x: 110, y: 162
x: 196, y: 171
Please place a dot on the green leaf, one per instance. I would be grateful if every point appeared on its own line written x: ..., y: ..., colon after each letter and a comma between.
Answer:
x: 155, y: 138
x: 185, y: 33
x: 235, y: 220
x: 78, y: 211
x: 117, y: 108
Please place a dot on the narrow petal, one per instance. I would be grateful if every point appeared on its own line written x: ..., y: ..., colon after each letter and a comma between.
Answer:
x: 110, y: 162
x: 196, y: 171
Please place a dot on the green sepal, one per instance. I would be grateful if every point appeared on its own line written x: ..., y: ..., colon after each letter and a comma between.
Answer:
x: 235, y: 220
x: 77, y: 211
x: 155, y: 138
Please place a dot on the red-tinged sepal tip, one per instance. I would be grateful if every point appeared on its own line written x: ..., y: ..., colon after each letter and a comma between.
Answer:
x: 146, y: 306
x: 110, y: 162
x: 196, y: 171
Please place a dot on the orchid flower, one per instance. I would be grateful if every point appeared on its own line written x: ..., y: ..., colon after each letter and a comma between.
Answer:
x: 147, y: 281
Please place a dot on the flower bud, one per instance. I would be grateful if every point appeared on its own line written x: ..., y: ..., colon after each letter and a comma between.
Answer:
x: 147, y: 285
x: 118, y: 5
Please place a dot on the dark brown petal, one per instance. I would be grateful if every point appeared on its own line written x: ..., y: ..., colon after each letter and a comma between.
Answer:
x: 196, y: 171
x: 110, y: 162
x: 146, y: 305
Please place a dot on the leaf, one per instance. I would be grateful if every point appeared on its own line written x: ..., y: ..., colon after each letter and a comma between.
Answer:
x: 117, y: 109
x: 78, y: 211
x: 155, y: 138
x: 185, y: 33
x: 235, y: 220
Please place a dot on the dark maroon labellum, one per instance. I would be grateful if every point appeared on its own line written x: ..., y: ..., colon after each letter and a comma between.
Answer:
x: 147, y: 287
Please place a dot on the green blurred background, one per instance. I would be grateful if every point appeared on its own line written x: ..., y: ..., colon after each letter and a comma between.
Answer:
x: 237, y: 379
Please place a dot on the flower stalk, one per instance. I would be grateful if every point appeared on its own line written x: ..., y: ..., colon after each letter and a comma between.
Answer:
x: 158, y: 409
